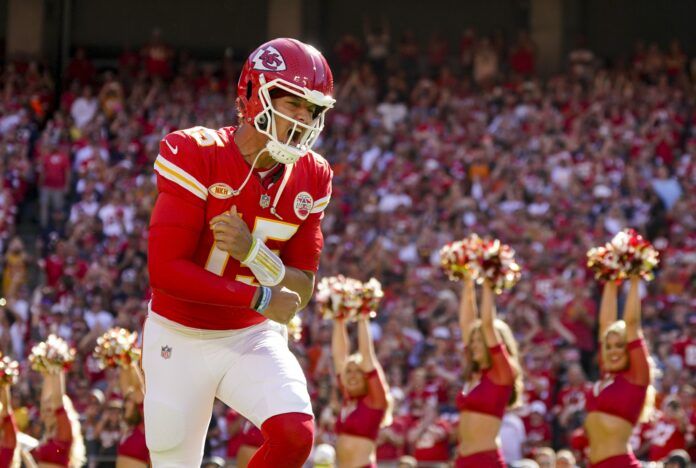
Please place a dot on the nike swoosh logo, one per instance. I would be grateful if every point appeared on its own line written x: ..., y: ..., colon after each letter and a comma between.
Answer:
x: 173, y: 149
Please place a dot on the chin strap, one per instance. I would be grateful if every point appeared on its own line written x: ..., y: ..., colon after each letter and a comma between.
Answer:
x: 283, y: 183
x: 236, y: 192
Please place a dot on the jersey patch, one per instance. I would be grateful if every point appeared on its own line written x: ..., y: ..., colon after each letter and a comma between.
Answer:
x: 303, y: 204
x: 221, y: 191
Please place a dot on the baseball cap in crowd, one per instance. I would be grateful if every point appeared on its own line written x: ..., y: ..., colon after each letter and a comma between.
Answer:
x: 324, y: 456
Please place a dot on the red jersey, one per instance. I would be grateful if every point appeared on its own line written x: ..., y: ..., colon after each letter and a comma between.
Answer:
x: 686, y: 348
x: 54, y: 167
x: 388, y: 451
x: 363, y: 416
x: 573, y: 398
x: 665, y: 435
x: 433, y: 443
x: 198, y: 170
x: 538, y: 435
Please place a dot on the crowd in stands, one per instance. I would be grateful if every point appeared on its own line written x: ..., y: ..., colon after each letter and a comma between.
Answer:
x: 429, y: 142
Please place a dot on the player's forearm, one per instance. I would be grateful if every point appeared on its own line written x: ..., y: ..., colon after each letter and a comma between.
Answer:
x: 187, y: 281
x: 300, y: 281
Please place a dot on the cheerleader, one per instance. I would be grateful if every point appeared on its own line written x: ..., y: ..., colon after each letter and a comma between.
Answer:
x: 364, y: 391
x: 620, y: 399
x: 132, y: 452
x: 493, y: 380
x: 8, y: 429
x: 62, y: 445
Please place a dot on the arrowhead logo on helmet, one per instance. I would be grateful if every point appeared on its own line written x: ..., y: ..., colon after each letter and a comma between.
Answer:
x: 268, y: 59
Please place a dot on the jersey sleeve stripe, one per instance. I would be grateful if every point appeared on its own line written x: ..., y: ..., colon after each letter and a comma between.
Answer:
x: 320, y: 204
x: 179, y: 176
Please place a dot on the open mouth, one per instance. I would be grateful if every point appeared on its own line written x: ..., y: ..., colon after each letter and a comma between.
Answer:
x: 293, y: 136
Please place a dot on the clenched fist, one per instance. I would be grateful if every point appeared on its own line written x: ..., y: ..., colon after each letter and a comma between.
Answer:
x: 283, y: 306
x: 231, y: 234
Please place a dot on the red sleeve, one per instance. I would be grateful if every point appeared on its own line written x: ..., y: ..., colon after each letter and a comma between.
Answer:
x: 376, y: 392
x: 63, y: 426
x: 638, y: 372
x: 181, y: 164
x: 9, y: 432
x: 501, y: 372
x: 175, y: 227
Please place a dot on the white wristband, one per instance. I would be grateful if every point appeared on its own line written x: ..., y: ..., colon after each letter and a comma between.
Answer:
x: 266, y: 266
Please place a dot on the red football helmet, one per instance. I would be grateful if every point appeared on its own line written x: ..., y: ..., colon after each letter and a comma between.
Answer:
x: 291, y: 67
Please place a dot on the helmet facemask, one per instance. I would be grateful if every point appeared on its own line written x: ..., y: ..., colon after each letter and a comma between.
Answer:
x: 284, y: 148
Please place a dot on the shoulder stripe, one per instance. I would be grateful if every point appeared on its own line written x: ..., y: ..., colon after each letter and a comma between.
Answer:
x: 174, y: 173
x: 321, y: 204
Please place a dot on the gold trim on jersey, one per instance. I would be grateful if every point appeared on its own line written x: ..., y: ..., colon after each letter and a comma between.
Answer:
x: 174, y: 173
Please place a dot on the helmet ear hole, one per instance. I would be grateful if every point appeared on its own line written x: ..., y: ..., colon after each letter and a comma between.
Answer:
x: 263, y: 122
x: 248, y: 90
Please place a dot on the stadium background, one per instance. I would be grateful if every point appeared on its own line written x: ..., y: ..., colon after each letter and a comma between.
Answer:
x: 552, y: 190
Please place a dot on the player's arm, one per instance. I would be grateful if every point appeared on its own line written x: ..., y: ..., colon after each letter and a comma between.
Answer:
x: 175, y: 228
x: 177, y: 221
x: 300, y: 281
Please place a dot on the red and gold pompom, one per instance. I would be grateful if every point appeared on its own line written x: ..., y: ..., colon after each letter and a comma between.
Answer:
x: 344, y: 298
x: 459, y: 259
x: 497, y: 266
x: 9, y: 371
x: 483, y: 260
x: 52, y: 355
x: 339, y: 297
x: 627, y: 254
x: 117, y: 348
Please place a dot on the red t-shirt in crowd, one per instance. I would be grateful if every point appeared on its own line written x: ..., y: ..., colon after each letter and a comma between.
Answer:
x: 665, y: 435
x: 433, y: 443
x: 55, y: 167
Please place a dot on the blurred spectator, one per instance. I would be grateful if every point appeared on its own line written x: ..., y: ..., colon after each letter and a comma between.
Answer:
x: 157, y: 56
x: 545, y: 457
x: 54, y: 180
x: 565, y: 459
x: 84, y: 108
x: 80, y: 68
x: 512, y: 437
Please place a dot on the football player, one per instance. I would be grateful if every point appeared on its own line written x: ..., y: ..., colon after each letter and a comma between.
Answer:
x: 234, y: 245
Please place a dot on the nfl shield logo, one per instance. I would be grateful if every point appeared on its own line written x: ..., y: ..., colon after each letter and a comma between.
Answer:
x: 166, y: 352
x: 265, y: 201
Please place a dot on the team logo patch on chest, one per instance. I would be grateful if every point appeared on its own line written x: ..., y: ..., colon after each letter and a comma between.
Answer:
x: 303, y: 205
x: 265, y: 201
x: 221, y: 191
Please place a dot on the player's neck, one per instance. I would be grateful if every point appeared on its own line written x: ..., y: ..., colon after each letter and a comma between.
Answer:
x: 250, y: 143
